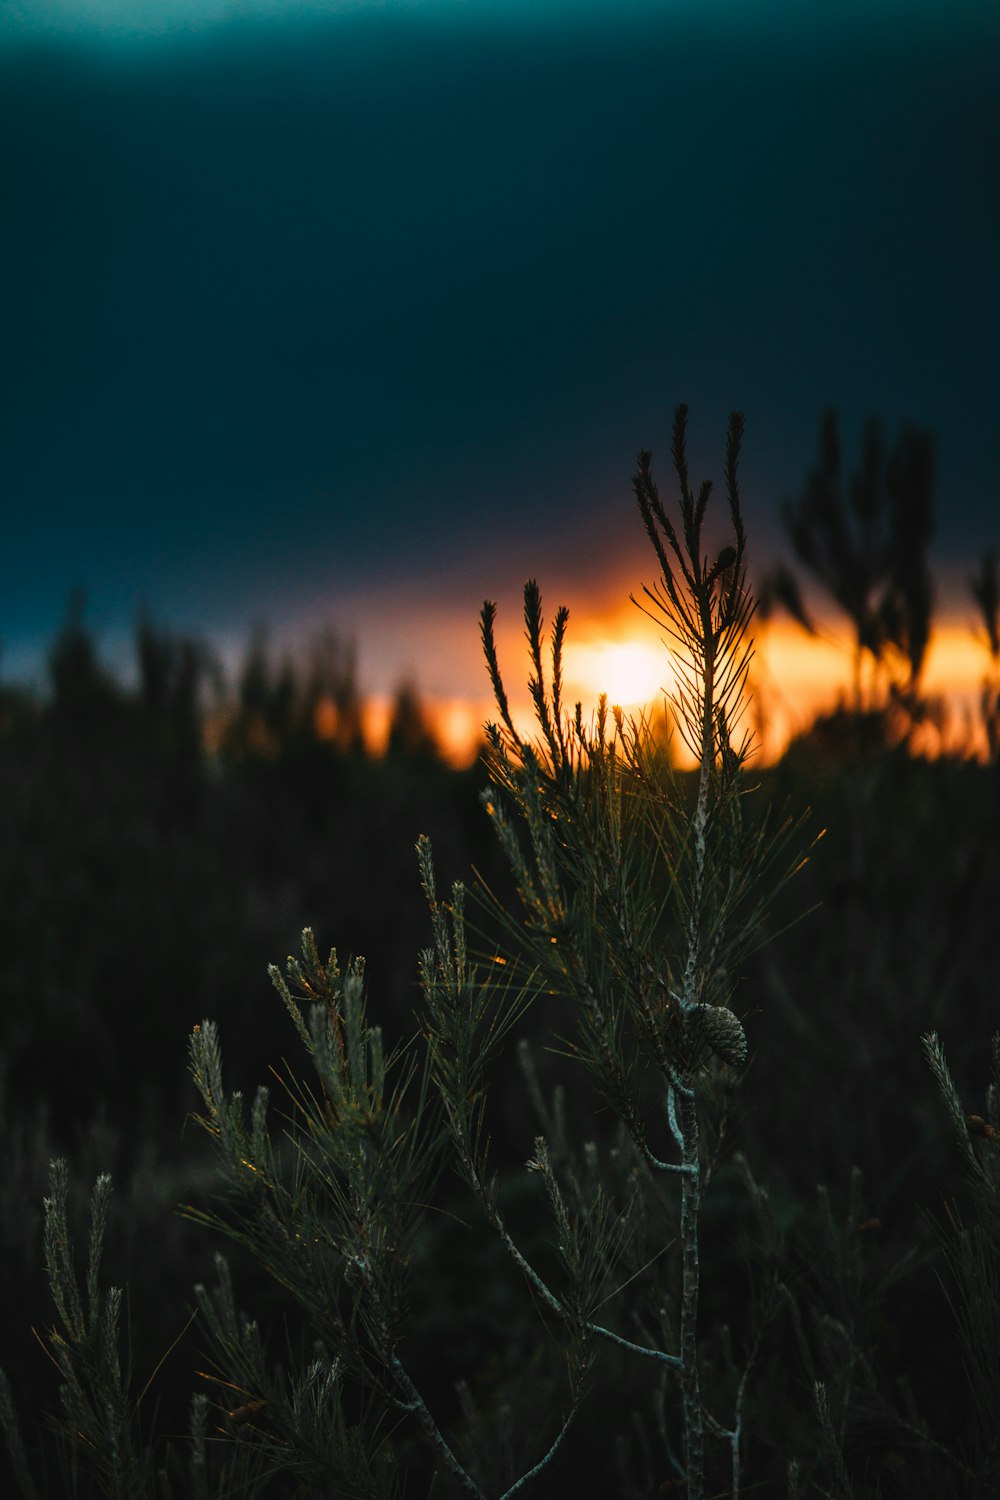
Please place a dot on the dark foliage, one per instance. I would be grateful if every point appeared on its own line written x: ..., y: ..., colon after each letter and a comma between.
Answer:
x: 864, y: 539
x: 145, y: 882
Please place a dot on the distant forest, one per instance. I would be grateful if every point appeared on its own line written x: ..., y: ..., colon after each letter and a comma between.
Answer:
x: 162, y: 842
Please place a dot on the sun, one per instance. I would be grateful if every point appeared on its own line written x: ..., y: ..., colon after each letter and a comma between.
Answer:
x: 631, y: 673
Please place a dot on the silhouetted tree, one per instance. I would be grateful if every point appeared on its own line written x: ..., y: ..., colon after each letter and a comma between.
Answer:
x: 85, y: 698
x: 985, y: 589
x: 332, y: 697
x: 908, y: 602
x: 410, y: 735
x: 263, y: 718
x: 865, y: 540
x: 18, y: 709
x: 291, y: 704
x: 172, y: 675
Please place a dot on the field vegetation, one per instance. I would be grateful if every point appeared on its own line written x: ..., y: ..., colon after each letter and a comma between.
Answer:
x: 654, y: 1148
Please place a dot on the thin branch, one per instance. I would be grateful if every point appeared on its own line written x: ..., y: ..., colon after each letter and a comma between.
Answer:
x: 418, y: 1407
x: 546, y: 1458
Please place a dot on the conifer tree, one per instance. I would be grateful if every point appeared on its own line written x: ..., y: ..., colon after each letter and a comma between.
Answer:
x: 864, y: 539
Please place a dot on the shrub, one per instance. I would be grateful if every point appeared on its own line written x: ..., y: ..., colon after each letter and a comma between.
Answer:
x: 640, y: 896
x: 430, y: 1318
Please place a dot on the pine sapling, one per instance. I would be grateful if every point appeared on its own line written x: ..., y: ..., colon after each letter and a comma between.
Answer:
x: 639, y: 900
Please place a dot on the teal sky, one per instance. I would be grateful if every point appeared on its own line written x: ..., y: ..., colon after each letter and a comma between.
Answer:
x: 358, y: 312
x: 156, y: 17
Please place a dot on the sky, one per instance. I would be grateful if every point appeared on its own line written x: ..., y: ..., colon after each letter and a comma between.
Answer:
x: 350, y: 315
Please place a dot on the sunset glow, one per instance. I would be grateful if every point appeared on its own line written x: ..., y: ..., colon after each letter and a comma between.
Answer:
x: 793, y: 679
x: 630, y: 672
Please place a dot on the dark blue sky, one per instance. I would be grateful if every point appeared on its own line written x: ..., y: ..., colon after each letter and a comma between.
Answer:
x: 360, y: 313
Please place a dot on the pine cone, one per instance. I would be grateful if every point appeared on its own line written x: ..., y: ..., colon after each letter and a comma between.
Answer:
x: 725, y: 1033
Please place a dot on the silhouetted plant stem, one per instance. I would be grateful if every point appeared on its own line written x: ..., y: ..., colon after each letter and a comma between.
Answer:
x: 416, y: 1405
x: 639, y: 905
x: 694, y: 1430
x: 700, y: 824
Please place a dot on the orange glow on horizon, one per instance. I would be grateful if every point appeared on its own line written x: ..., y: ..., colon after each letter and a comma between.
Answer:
x: 456, y: 723
x: 631, y: 673
x: 793, y: 678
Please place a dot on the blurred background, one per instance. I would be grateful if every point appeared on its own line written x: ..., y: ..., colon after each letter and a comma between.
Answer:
x: 347, y: 315
x: 322, y: 323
